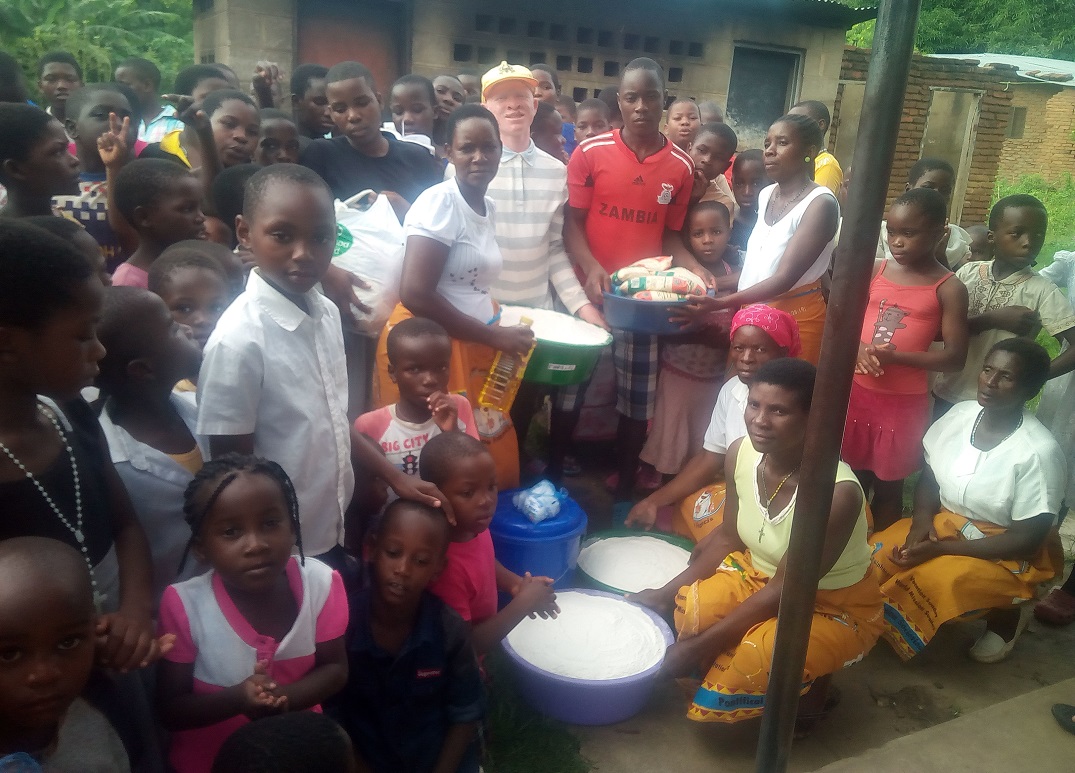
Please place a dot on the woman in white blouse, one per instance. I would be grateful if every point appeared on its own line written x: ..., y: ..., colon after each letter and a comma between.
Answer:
x: 790, y: 247
x: 450, y: 263
x: 983, y: 534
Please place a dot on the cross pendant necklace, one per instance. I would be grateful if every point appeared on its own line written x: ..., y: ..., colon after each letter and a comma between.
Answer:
x: 765, y: 493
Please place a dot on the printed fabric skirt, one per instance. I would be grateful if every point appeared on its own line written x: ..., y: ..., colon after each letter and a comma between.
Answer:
x: 467, y: 371
x: 921, y: 599
x: 846, y: 625
x: 807, y: 305
x: 884, y: 432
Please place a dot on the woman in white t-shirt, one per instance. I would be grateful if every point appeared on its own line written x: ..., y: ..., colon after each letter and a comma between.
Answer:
x: 789, y: 249
x: 982, y: 535
x: 450, y: 263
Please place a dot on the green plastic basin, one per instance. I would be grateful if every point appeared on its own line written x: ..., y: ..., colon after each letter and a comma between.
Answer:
x: 587, y: 581
x: 567, y: 348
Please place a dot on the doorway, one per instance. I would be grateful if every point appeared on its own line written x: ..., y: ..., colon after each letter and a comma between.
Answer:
x: 951, y: 128
x: 763, y: 86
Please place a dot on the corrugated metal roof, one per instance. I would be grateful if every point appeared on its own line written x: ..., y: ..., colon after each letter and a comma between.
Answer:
x: 1058, y: 72
x: 825, y: 12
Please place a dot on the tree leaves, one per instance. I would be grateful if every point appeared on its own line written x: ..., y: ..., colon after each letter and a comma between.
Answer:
x: 100, y: 33
x: 1029, y: 27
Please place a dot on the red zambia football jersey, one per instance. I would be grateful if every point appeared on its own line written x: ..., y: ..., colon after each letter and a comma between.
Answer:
x: 630, y: 202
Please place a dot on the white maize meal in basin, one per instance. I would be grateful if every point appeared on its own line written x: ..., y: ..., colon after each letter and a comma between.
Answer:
x: 633, y: 564
x: 555, y: 327
x: 594, y: 637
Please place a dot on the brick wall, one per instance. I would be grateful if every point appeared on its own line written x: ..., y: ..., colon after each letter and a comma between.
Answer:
x: 946, y: 73
x: 1047, y: 147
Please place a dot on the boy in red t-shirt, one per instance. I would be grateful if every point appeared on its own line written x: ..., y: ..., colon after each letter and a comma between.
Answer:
x: 461, y: 467
x: 628, y: 193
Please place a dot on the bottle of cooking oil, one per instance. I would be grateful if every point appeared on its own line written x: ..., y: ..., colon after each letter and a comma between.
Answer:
x: 502, y: 383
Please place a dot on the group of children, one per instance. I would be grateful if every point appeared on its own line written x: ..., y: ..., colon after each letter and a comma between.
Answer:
x: 216, y: 514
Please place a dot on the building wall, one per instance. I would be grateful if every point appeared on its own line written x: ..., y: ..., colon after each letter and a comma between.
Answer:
x: 1047, y: 147
x: 455, y: 35
x: 946, y: 73
x: 239, y: 33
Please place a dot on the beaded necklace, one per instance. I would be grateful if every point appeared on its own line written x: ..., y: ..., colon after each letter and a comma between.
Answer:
x: 76, y: 527
x: 978, y: 421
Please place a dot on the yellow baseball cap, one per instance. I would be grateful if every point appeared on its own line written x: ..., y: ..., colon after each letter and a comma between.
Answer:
x: 507, y: 72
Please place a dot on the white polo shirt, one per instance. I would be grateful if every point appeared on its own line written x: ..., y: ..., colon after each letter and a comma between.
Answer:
x: 278, y: 373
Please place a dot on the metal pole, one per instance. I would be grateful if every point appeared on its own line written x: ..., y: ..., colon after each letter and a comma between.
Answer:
x: 878, y: 128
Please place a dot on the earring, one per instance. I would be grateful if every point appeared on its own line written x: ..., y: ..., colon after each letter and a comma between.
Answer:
x: 808, y: 159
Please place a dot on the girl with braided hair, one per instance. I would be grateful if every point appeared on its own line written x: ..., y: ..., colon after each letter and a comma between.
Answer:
x: 261, y: 632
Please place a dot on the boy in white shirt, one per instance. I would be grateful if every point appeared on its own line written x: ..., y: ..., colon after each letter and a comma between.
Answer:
x: 273, y: 380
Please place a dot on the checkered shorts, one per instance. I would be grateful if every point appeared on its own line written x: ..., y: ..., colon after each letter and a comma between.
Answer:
x: 636, y: 357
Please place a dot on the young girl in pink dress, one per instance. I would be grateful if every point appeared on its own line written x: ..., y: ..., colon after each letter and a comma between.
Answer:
x: 262, y: 631
x: 692, y: 366
x: 912, y: 299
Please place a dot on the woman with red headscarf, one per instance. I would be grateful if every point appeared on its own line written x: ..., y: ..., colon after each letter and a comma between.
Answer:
x: 759, y: 333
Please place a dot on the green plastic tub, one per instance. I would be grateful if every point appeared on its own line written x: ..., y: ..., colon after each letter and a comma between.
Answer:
x: 587, y: 581
x: 567, y: 348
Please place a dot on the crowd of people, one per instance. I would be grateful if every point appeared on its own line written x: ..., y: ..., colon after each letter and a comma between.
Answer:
x: 235, y: 520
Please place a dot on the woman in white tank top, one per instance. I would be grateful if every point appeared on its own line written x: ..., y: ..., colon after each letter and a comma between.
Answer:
x: 791, y: 245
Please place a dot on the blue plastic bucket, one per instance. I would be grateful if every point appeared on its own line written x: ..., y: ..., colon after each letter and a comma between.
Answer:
x: 585, y: 701
x: 546, y: 549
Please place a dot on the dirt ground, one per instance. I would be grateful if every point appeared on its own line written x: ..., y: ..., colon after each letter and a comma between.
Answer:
x: 883, y: 699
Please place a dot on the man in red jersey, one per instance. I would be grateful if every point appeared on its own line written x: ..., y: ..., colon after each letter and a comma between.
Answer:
x: 627, y: 199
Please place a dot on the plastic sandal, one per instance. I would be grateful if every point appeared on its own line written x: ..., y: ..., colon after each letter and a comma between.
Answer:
x: 1063, y: 713
x: 805, y: 723
x: 1058, y: 608
x: 991, y: 647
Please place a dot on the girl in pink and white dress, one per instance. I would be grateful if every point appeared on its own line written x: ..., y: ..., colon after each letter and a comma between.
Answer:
x: 262, y: 631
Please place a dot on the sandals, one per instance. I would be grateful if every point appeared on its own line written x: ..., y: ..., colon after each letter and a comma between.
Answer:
x: 1058, y: 608
x: 805, y: 723
x: 1063, y: 714
x: 646, y: 479
x: 991, y: 647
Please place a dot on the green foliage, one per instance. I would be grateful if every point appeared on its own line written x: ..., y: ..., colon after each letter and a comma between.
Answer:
x: 1030, y: 27
x: 521, y: 740
x: 99, y: 33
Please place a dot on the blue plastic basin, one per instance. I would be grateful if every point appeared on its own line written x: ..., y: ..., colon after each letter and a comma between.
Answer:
x: 652, y: 317
x: 546, y: 549
x: 585, y: 701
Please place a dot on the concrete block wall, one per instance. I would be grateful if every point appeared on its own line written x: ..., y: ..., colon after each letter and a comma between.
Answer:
x: 239, y: 33
x: 990, y: 131
x: 1047, y: 147
x: 439, y: 25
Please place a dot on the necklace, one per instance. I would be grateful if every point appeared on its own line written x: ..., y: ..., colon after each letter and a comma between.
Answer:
x: 765, y: 492
x: 788, y: 203
x: 978, y: 421
x: 76, y: 527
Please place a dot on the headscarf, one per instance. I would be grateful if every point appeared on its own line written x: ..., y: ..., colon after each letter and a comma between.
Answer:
x: 780, y: 325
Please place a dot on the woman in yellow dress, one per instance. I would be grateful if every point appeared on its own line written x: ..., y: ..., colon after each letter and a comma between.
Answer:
x: 726, y: 601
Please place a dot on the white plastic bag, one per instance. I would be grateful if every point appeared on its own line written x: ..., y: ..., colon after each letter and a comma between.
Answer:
x: 370, y: 244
